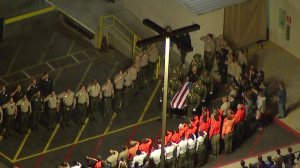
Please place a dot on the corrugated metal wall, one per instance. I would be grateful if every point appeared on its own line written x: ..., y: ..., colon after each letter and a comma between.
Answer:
x: 203, y: 6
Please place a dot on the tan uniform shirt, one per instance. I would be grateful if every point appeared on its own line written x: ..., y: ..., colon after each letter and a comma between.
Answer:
x: 52, y: 101
x: 67, y: 98
x: 25, y: 106
x: 113, y: 159
x: 1, y: 115
x: 11, y: 108
x: 153, y: 54
x: 128, y: 78
x: 123, y: 154
x: 209, y: 44
x: 137, y: 62
x: 133, y: 73
x: 144, y: 60
x: 82, y: 97
x: 119, y: 81
x: 108, y: 89
x: 94, y: 90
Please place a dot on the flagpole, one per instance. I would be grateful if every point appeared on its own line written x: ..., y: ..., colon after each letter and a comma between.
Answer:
x: 165, y: 96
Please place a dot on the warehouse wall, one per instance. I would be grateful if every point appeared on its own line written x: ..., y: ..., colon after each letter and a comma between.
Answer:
x: 278, y: 34
x: 168, y: 12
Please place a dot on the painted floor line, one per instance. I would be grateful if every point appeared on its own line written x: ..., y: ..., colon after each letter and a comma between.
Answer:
x: 51, y: 138
x: 22, y: 145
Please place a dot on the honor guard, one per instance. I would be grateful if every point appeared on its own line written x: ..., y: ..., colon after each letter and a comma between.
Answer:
x: 17, y: 94
x: 82, y: 103
x: 25, y: 107
x: 119, y: 91
x: 208, y: 82
x: 4, y: 98
x: 108, y: 94
x: 144, y: 66
x: 32, y: 89
x: 201, y: 90
x: 11, y: 110
x: 94, y: 90
x: 197, y: 61
x: 193, y: 101
x: 129, y: 77
x: 37, y: 109
x: 53, y: 107
x: 46, y: 85
x: 68, y: 102
x: 153, y: 60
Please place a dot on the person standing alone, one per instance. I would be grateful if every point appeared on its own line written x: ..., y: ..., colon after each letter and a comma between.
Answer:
x: 281, y: 94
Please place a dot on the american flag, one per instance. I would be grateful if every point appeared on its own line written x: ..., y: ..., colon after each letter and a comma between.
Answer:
x: 179, y: 100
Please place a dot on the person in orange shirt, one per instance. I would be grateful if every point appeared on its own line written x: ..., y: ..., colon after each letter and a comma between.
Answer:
x: 176, y: 137
x: 195, y: 121
x: 145, y: 145
x: 204, y: 122
x: 168, y: 137
x: 182, y: 129
x: 214, y: 132
x: 227, y: 131
x: 240, y: 127
x: 191, y: 130
x: 133, y: 149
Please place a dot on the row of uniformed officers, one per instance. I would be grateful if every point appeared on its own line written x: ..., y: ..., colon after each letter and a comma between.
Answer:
x: 116, y: 95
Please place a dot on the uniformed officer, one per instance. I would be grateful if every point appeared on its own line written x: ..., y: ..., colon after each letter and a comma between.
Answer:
x: 68, y: 102
x: 201, y: 90
x: 53, y: 107
x: 46, y: 85
x: 17, y: 94
x: 144, y: 66
x: 153, y: 60
x: 4, y: 98
x: 201, y: 148
x: 193, y: 101
x: 25, y: 107
x: 175, y: 84
x: 193, y: 75
x: 108, y: 94
x: 209, y: 49
x: 32, y: 89
x: 207, y: 80
x: 1, y: 120
x: 94, y: 90
x: 37, y: 109
x: 197, y: 61
x: 191, y: 150
x: 137, y: 66
x: 129, y: 77
x: 119, y: 91
x: 11, y: 110
x: 82, y: 103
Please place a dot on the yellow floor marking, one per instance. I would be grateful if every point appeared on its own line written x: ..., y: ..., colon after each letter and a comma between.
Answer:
x: 29, y: 15
x: 110, y: 122
x: 149, y: 101
x: 51, y: 138
x: 22, y: 145
x: 87, y: 139
x: 6, y: 157
x: 81, y: 130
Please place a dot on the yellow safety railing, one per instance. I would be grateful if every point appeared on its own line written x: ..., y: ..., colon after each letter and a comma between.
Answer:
x: 111, y: 21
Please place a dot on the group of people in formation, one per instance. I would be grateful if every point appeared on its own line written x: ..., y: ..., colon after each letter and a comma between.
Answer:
x: 23, y: 108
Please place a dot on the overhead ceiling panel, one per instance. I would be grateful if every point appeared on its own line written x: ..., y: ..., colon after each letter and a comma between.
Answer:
x: 203, y: 6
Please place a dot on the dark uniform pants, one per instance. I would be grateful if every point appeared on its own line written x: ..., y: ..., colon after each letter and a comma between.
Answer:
x: 208, y: 60
x: 51, y: 117
x: 239, y: 134
x: 81, y: 108
x: 170, y: 163
x: 9, y: 123
x: 191, y: 158
x: 182, y: 161
x: 215, y: 144
x: 128, y: 95
x: 228, y: 143
x: 93, y: 107
x: 143, y: 75
x: 118, y: 99
x: 107, y: 106
x: 66, y: 115
x: 190, y: 111
x: 24, y: 122
x: 35, y: 118
x: 201, y: 155
x: 151, y: 71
